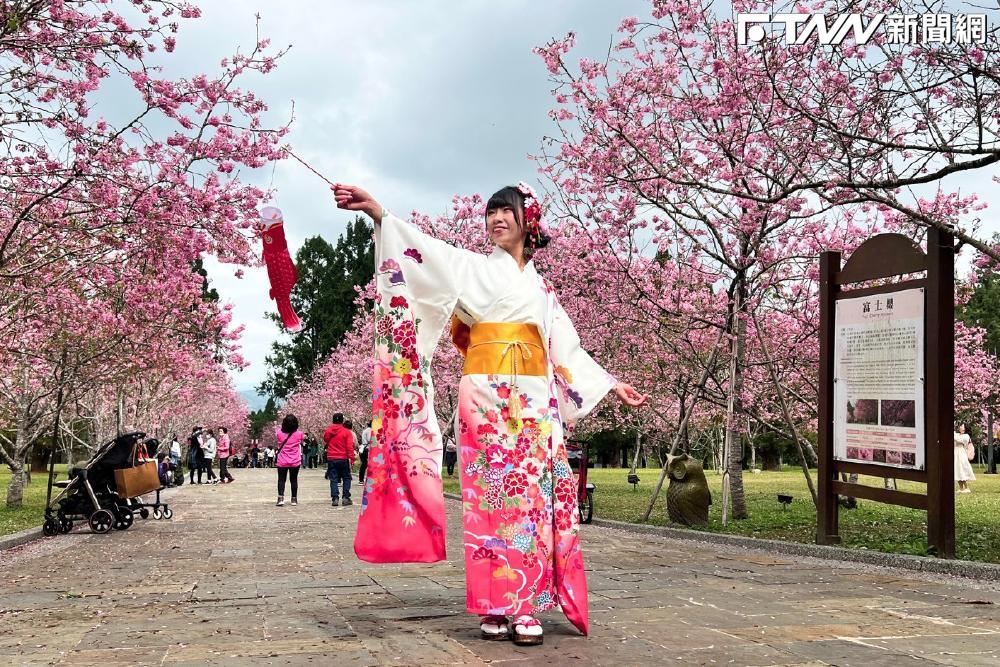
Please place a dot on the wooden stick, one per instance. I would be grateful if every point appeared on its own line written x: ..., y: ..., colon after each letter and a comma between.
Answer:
x: 635, y: 460
x: 677, y: 436
x: 784, y: 409
x: 308, y: 166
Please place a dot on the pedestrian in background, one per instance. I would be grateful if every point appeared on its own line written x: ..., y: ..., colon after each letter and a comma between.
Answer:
x: 163, y: 469
x: 963, y: 451
x: 195, y: 455
x: 289, y: 457
x: 339, y: 459
x: 366, y: 441
x: 313, y: 452
x: 225, y: 451
x: 175, y: 451
x: 349, y: 425
x: 210, y: 447
x: 450, y: 456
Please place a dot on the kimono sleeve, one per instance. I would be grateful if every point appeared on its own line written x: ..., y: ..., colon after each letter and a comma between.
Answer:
x: 581, y: 381
x: 425, y: 271
x: 419, y: 280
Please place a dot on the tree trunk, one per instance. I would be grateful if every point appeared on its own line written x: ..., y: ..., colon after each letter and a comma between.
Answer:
x: 15, y: 489
x: 16, y: 462
x: 734, y: 412
x: 717, y: 445
x: 119, y: 409
x: 786, y: 413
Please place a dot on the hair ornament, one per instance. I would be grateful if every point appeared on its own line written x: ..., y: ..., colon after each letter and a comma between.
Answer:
x: 532, y: 212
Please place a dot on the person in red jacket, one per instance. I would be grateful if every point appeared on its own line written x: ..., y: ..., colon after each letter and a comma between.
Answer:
x: 339, y: 459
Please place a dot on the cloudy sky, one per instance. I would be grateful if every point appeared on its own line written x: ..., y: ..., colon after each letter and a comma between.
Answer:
x: 415, y: 100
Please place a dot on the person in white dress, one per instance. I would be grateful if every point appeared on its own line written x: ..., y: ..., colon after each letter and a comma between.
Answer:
x: 963, y: 469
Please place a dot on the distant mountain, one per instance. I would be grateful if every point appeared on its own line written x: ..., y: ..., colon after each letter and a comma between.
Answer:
x: 253, y: 399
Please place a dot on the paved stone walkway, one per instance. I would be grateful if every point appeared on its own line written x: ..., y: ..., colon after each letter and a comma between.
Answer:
x: 234, y: 580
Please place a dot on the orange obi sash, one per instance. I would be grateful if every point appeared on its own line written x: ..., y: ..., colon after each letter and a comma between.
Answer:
x: 500, y: 348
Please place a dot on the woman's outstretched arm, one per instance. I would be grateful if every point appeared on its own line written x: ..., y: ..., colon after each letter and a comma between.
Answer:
x: 353, y: 198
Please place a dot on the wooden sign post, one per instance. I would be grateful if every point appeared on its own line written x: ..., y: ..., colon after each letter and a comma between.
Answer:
x: 886, y: 380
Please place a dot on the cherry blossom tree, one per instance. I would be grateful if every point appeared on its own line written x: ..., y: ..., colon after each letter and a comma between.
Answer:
x: 105, y: 208
x: 113, y: 361
x: 888, y: 120
x: 666, y: 103
x: 683, y: 133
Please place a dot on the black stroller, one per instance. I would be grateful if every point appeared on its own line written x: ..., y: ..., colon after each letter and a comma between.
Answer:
x: 91, y: 494
x: 160, y: 509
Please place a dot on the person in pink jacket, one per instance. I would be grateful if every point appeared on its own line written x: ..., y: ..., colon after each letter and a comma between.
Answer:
x: 224, y: 451
x: 289, y: 456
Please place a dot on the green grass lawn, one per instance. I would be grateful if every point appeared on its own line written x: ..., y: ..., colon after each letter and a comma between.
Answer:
x: 31, y: 513
x: 871, y: 526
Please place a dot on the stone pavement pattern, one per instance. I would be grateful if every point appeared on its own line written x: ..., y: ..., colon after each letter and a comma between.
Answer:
x: 234, y: 580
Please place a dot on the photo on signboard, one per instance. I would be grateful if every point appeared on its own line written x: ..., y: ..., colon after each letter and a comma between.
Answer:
x: 878, y: 456
x: 862, y: 411
x: 899, y: 413
x: 894, y: 457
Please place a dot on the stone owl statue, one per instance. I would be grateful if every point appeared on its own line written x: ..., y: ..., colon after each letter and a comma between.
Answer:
x: 688, y: 496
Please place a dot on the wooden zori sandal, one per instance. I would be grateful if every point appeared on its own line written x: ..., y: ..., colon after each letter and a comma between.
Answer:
x: 527, y: 631
x: 495, y: 628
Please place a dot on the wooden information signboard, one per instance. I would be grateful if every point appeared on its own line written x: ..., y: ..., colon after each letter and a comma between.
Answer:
x: 886, y: 380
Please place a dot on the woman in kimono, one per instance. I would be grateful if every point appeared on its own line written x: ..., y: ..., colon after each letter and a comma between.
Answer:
x: 525, y: 380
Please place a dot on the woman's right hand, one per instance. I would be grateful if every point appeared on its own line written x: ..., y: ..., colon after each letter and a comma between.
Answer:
x: 353, y: 198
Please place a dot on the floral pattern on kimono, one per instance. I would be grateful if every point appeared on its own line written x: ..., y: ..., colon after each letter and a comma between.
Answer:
x: 520, y: 518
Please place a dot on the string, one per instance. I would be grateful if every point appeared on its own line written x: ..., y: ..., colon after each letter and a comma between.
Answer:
x: 270, y: 185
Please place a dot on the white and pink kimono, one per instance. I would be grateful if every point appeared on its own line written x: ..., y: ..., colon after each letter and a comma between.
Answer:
x: 521, y: 519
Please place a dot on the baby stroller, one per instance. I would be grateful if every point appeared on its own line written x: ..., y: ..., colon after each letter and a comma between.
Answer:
x: 160, y: 509
x: 91, y: 494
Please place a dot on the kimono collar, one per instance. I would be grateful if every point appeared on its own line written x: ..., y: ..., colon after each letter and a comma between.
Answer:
x: 504, y: 256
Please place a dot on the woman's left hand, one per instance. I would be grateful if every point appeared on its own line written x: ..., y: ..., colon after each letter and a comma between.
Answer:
x: 629, y: 396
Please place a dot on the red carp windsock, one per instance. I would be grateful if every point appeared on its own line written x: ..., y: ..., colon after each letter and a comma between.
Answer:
x: 280, y: 269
